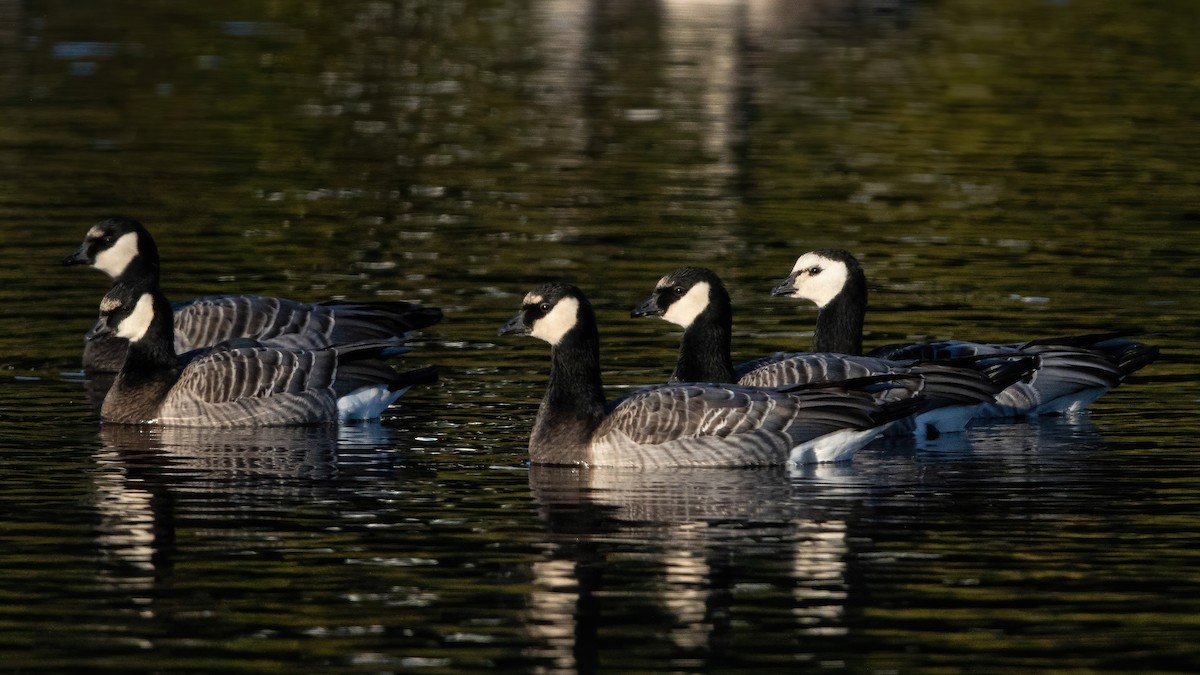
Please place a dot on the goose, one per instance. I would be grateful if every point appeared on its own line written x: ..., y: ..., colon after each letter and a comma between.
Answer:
x: 696, y: 299
x: 678, y: 424
x: 240, y: 384
x: 1073, y: 371
x: 122, y: 248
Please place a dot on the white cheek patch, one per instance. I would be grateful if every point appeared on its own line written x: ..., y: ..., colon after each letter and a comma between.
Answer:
x: 823, y: 287
x: 555, y: 324
x: 684, y: 311
x: 114, y: 259
x: 134, y: 326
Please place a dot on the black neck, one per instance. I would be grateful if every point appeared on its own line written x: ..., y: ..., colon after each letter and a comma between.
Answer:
x: 704, y: 348
x: 154, y: 353
x: 574, y: 402
x: 140, y: 275
x: 840, y: 322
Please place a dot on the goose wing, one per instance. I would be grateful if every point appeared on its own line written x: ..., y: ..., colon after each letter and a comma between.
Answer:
x: 295, y: 325
x: 941, y: 384
x: 254, y: 386
x: 212, y: 319
x: 695, y: 424
x: 941, y: 350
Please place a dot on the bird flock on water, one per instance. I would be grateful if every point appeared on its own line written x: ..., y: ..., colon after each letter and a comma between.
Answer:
x: 256, y: 361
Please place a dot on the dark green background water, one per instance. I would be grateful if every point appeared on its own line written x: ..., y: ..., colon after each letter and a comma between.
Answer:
x: 1004, y: 170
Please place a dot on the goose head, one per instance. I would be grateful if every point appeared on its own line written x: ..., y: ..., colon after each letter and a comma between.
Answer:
x: 551, y: 312
x: 113, y: 245
x: 683, y: 295
x: 127, y: 316
x: 820, y: 276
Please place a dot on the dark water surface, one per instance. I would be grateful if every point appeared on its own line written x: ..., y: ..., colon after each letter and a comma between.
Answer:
x: 1004, y: 170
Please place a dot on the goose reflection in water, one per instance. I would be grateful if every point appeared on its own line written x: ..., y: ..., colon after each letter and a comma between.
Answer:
x: 142, y: 471
x: 705, y: 520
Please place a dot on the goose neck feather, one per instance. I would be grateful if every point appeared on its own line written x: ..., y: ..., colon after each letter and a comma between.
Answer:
x: 574, y: 405
x: 839, y: 326
x: 704, y: 349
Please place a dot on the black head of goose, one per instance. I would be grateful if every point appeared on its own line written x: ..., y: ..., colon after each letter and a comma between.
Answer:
x: 122, y: 248
x: 696, y: 299
x: 237, y: 385
x: 678, y: 424
x: 1072, y: 372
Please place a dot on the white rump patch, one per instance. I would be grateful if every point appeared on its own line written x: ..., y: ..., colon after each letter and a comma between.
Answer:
x: 367, y: 403
x: 838, y: 446
x: 554, y: 325
x: 684, y: 311
x: 134, y: 326
x: 114, y: 259
x: 822, y: 287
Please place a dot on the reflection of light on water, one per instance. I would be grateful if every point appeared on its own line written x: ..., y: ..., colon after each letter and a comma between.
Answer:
x: 698, y: 522
x: 552, y: 610
x: 126, y: 533
x: 819, y: 559
x: 685, y: 585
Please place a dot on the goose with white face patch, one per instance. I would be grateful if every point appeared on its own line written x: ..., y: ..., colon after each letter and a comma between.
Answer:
x: 244, y: 386
x: 1072, y: 371
x: 696, y: 299
x: 683, y: 424
x: 123, y: 249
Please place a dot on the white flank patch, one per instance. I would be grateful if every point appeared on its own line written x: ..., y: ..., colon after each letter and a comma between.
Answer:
x: 822, y: 287
x: 114, y: 259
x: 562, y: 318
x: 838, y: 446
x: 366, y: 403
x: 134, y: 326
x: 951, y: 419
x: 684, y: 311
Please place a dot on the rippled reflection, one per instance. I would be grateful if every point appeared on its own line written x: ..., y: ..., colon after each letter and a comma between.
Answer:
x: 702, y: 523
x: 143, y: 470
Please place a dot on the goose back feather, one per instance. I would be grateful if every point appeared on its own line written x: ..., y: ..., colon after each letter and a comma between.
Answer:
x: 123, y: 248
x: 678, y: 424
x: 240, y: 385
x: 1071, y: 372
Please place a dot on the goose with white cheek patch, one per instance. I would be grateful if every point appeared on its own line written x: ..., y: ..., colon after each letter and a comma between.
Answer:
x: 1072, y: 371
x: 696, y: 299
x: 249, y: 386
x: 123, y: 249
x: 678, y: 424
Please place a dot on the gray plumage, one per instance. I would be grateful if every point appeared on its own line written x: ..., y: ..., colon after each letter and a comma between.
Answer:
x: 240, y: 386
x: 1072, y: 372
x: 678, y: 424
x: 124, y: 249
x: 696, y: 299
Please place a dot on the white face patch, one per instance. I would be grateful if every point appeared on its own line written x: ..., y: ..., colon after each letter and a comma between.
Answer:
x: 134, y: 326
x: 823, y: 286
x: 113, y: 260
x: 562, y: 318
x: 684, y: 311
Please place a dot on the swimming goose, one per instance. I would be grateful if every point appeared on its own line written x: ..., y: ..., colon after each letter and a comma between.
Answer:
x: 1074, y: 371
x: 696, y: 299
x: 678, y: 424
x: 235, y: 385
x: 122, y: 248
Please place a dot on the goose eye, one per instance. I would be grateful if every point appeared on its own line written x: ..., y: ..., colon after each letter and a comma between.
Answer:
x: 678, y: 290
x: 814, y: 271
x: 545, y: 307
x: 108, y: 239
